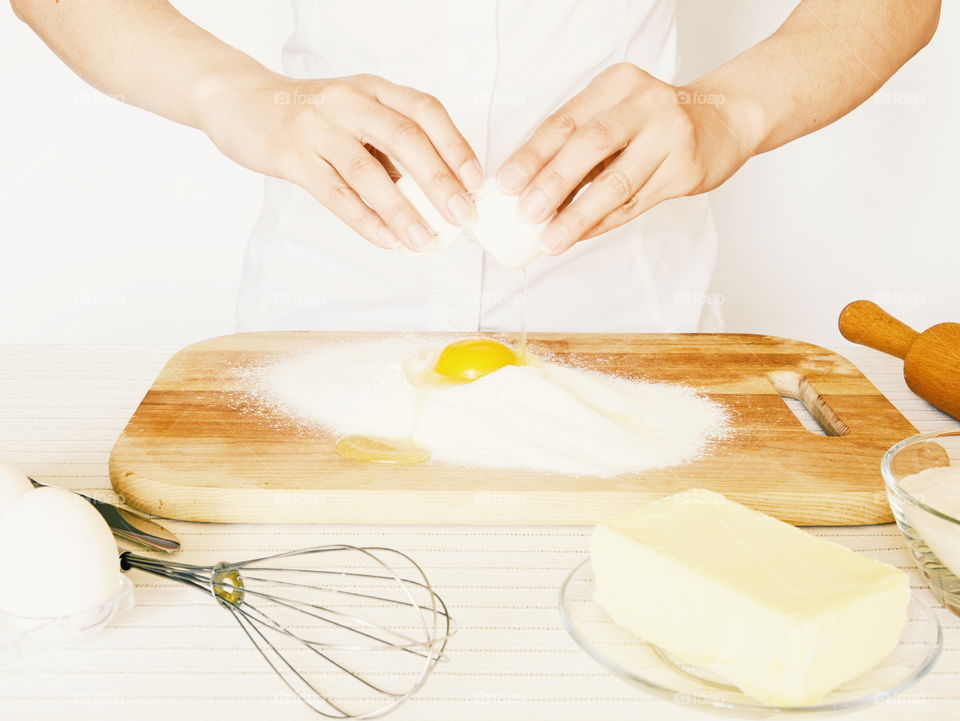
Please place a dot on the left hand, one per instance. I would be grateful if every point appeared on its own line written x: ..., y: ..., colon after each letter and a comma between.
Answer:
x: 637, y: 141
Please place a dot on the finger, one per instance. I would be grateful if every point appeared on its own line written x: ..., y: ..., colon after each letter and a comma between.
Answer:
x: 404, y: 140
x: 585, y: 182
x: 432, y: 116
x: 613, y: 188
x: 385, y: 161
x: 547, y: 140
x: 373, y: 184
x: 593, y: 142
x: 651, y: 194
x: 327, y: 186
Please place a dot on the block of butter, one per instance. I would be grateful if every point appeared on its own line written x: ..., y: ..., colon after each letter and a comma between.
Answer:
x: 784, y: 615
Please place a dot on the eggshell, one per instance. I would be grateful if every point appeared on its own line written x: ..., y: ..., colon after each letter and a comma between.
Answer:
x: 57, y: 556
x: 446, y: 233
x: 13, y: 483
x: 512, y: 241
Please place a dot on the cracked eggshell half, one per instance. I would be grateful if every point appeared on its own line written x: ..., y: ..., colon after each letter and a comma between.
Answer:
x: 446, y: 233
x: 512, y: 241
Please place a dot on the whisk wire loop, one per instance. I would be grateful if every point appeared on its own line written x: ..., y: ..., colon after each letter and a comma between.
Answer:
x: 294, y: 607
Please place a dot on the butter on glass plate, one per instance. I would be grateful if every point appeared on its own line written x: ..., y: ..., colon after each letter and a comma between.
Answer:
x: 641, y: 664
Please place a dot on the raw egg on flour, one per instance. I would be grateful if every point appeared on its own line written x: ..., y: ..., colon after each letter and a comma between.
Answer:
x: 460, y: 362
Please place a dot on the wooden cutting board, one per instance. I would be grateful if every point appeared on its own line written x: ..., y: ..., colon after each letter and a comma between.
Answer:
x: 193, y: 451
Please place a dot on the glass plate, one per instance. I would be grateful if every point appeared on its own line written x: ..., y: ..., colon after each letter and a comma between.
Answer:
x: 653, y: 669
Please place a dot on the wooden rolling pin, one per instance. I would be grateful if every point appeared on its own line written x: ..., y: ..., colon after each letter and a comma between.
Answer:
x: 931, y: 360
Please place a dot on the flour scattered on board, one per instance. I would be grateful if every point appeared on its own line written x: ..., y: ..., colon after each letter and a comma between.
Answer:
x: 553, y: 418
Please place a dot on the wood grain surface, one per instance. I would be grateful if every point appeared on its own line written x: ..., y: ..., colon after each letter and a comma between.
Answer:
x: 194, y: 451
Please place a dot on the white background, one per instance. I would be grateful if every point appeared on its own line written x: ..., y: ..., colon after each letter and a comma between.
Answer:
x: 120, y: 227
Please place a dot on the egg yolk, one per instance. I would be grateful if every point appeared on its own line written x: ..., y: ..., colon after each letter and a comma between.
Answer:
x: 471, y: 358
x: 376, y: 449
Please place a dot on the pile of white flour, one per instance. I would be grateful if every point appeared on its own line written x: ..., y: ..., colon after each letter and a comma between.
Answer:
x: 555, y: 418
x: 938, y: 488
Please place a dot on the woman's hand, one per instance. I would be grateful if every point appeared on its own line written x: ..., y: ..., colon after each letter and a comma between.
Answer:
x: 637, y: 141
x: 644, y: 142
x: 336, y: 138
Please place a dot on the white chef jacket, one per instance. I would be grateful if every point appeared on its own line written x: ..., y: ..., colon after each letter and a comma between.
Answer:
x: 499, y: 67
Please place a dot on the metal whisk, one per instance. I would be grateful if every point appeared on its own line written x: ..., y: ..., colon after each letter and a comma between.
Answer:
x: 360, y: 616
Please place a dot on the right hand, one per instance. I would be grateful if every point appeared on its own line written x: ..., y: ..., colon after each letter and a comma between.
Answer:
x: 336, y: 138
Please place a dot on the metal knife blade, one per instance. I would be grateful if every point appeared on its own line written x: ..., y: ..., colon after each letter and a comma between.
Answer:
x: 130, y: 525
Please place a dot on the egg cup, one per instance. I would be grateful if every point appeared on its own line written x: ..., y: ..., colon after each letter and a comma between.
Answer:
x: 20, y: 633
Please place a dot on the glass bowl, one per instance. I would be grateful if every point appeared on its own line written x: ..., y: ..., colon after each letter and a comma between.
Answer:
x: 644, y: 665
x: 932, y: 535
x: 19, y: 633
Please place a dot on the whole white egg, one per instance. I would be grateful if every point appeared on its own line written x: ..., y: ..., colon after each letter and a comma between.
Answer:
x: 13, y: 483
x: 59, y: 556
x: 512, y: 241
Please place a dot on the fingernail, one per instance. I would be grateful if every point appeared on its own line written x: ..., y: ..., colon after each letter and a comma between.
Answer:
x: 553, y: 238
x: 511, y: 178
x: 471, y: 175
x: 419, y: 236
x: 387, y: 237
x: 533, y: 206
x: 460, y: 208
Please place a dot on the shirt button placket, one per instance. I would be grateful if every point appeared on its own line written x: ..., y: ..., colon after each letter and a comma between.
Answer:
x: 469, y: 79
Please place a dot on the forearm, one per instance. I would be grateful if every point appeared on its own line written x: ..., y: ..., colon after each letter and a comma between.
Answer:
x: 142, y: 51
x: 334, y: 137
x: 827, y: 58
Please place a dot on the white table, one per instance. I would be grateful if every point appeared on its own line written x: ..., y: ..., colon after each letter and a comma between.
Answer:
x: 176, y: 656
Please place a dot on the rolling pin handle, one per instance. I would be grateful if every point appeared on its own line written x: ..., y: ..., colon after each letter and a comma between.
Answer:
x: 865, y: 322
